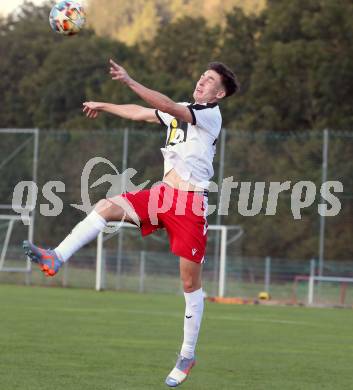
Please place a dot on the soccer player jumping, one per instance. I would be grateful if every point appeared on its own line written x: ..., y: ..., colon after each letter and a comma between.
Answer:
x: 178, y: 204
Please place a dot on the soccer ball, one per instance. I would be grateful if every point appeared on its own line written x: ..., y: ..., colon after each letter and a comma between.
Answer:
x: 67, y: 17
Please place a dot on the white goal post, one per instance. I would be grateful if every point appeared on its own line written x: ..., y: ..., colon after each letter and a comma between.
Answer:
x: 222, y: 255
x: 334, y: 279
x: 9, y: 217
x: 11, y: 221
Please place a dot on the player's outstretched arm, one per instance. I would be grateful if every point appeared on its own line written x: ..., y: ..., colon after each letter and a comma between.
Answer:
x: 127, y: 111
x: 153, y: 98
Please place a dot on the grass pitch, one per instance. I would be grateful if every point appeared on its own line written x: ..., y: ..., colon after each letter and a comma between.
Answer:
x: 52, y: 338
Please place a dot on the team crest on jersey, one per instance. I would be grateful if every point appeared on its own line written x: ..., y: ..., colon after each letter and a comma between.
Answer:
x: 177, y: 132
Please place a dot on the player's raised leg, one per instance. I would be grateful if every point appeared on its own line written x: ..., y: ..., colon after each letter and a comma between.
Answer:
x: 190, y: 273
x: 50, y: 261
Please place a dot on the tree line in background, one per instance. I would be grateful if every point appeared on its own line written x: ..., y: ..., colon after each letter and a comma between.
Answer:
x: 294, y: 60
x: 295, y: 63
x: 139, y: 20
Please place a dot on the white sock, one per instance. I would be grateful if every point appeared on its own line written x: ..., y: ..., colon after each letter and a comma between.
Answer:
x: 192, y: 321
x: 81, y: 234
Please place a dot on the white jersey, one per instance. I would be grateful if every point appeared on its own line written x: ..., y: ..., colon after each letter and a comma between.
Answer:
x: 190, y: 147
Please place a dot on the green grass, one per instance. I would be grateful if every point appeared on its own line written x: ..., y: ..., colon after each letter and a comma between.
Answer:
x: 52, y: 338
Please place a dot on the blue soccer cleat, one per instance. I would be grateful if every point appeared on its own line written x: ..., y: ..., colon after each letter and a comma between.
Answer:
x: 47, y: 259
x: 180, y: 372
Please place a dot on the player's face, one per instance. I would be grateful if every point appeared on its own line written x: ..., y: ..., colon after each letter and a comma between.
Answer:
x: 209, y: 88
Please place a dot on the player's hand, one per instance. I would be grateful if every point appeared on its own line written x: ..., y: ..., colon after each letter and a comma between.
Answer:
x: 91, y: 109
x: 119, y: 73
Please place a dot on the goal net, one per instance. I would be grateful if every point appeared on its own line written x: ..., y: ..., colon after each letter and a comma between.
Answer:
x: 18, y: 162
x: 330, y: 290
x: 127, y: 261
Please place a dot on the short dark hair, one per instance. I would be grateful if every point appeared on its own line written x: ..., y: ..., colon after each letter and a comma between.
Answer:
x: 228, y: 77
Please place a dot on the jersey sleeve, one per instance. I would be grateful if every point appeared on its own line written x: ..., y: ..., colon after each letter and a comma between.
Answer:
x: 207, y: 118
x: 164, y: 118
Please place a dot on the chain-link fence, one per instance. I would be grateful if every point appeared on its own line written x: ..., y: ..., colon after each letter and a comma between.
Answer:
x: 262, y: 157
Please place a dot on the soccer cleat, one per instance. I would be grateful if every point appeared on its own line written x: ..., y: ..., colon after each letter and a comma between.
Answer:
x: 180, y: 372
x: 47, y: 259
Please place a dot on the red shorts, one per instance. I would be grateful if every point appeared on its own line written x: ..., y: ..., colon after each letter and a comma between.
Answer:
x: 181, y: 213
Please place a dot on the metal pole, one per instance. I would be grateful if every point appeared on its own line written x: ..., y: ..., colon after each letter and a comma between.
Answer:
x: 34, y: 179
x: 267, y: 274
x: 218, y: 216
x: 36, y: 154
x: 121, y: 233
x: 99, y: 261
x: 322, y: 218
x: 65, y: 274
x: 142, y: 271
x: 311, y: 282
x: 32, y: 214
x: 223, y: 262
